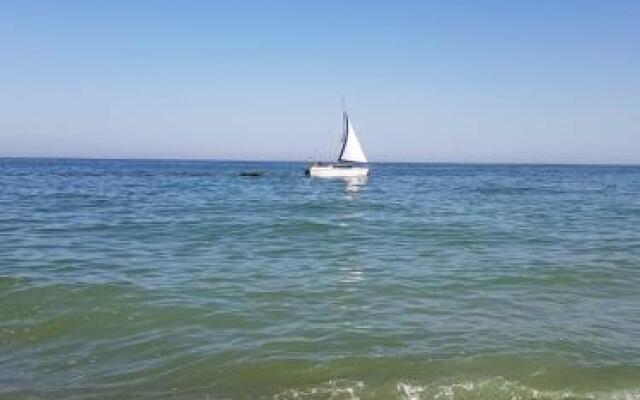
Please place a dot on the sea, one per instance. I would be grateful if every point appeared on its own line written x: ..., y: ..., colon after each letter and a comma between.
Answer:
x: 143, y: 279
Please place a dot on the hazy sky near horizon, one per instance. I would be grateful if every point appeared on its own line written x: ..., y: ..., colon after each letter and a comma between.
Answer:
x: 486, y: 81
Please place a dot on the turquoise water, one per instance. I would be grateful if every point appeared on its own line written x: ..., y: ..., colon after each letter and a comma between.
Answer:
x: 156, y: 279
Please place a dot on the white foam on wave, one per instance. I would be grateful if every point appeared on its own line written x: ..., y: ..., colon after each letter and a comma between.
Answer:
x: 496, y: 388
x: 499, y: 388
x: 332, y: 390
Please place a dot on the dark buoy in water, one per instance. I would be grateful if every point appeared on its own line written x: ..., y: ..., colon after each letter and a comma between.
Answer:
x: 252, y: 173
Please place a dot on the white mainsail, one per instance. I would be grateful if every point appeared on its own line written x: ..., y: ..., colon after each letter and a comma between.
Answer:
x: 351, y: 148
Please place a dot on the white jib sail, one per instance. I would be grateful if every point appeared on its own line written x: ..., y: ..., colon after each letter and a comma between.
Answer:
x: 351, y: 148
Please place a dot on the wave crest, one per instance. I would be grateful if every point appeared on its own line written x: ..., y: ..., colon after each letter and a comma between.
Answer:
x: 496, y: 388
x: 499, y: 388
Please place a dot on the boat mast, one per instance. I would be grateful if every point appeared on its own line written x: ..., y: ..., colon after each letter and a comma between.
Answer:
x: 345, y: 128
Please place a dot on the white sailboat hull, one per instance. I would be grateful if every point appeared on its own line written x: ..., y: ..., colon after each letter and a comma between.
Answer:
x: 337, y: 171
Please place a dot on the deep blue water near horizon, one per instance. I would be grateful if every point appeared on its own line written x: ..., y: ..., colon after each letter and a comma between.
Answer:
x: 182, y: 279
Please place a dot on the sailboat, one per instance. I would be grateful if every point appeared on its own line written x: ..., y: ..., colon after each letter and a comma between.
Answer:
x: 351, y: 162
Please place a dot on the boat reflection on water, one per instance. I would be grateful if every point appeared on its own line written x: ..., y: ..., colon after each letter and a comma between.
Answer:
x: 354, y: 184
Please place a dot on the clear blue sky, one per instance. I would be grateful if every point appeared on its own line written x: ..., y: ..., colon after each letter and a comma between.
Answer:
x: 494, y: 81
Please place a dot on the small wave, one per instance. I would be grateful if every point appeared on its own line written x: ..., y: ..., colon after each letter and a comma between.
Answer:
x: 496, y: 388
x: 334, y: 390
x: 499, y: 388
x: 517, y: 190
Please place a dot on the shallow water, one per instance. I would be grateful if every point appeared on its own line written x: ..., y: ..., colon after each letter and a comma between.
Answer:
x: 157, y: 279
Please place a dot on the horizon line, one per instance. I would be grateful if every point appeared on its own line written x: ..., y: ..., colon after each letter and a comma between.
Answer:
x: 533, y: 163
